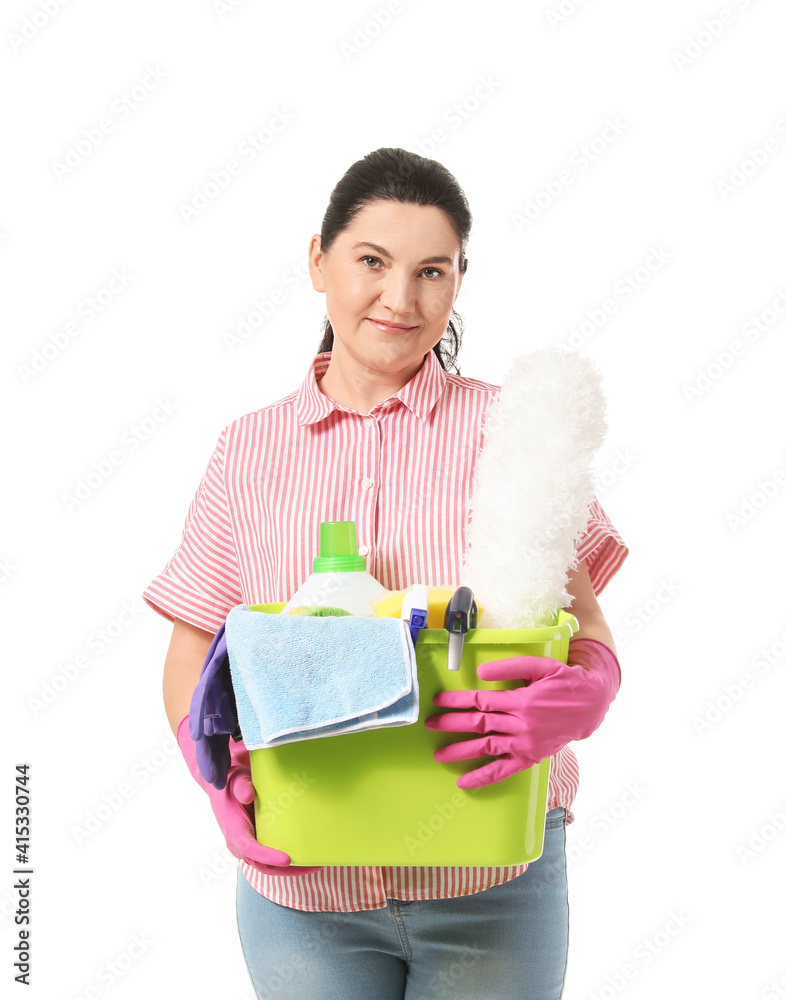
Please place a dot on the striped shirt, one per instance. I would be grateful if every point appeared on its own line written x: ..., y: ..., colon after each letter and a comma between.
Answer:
x: 404, y: 474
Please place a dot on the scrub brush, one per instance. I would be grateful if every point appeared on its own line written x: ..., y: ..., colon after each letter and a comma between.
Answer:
x: 533, y: 487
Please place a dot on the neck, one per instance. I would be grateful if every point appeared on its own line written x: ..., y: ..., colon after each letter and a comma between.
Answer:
x: 360, y: 388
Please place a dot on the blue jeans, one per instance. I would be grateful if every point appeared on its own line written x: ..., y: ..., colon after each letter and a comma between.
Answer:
x: 510, y: 941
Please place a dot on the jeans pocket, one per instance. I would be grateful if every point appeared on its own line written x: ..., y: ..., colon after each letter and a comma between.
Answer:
x: 556, y: 817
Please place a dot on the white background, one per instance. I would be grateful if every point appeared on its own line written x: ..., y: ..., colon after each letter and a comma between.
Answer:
x: 148, y: 891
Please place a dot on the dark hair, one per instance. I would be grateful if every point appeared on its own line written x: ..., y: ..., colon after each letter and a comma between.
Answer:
x: 393, y: 174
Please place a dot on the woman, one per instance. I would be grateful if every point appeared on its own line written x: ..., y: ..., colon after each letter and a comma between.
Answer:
x: 381, y: 433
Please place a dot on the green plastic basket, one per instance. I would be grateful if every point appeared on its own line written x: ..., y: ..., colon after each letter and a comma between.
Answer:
x: 378, y: 797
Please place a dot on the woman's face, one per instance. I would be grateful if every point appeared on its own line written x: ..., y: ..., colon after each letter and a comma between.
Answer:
x: 395, y: 264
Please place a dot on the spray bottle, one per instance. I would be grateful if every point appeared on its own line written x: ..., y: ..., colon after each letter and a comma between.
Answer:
x: 340, y: 579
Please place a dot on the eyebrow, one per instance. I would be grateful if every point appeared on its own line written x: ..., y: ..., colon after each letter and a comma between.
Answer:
x: 386, y: 253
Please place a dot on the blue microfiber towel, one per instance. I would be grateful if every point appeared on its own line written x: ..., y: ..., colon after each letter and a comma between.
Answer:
x: 301, y: 677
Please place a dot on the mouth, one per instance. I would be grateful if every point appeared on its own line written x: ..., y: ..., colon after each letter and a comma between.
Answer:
x: 390, y: 327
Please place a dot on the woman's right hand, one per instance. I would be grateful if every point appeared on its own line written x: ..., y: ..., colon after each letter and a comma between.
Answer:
x: 233, y: 807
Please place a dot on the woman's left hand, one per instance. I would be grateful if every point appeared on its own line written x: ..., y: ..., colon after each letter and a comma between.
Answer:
x: 559, y: 703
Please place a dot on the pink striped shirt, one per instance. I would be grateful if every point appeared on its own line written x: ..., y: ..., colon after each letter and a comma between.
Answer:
x: 404, y: 474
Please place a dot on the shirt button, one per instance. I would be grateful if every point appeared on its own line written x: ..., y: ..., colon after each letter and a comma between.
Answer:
x: 362, y: 550
x: 367, y: 483
x: 369, y: 421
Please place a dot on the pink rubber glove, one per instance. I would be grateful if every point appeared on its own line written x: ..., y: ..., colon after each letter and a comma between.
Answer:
x: 561, y: 702
x: 233, y: 808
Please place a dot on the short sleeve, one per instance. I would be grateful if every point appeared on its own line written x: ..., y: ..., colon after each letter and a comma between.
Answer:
x: 601, y: 546
x: 201, y: 582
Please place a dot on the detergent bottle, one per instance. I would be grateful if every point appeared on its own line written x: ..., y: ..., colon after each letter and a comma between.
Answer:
x: 340, y: 578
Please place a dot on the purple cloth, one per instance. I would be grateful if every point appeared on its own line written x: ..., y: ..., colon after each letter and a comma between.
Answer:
x: 213, y: 715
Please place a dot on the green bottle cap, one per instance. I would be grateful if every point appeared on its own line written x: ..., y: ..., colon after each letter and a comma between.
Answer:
x: 338, y: 549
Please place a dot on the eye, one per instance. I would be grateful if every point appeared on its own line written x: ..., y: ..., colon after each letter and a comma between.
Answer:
x: 436, y: 272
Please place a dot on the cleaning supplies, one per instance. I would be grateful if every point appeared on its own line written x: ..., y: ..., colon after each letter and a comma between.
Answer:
x: 461, y: 615
x: 533, y: 488
x: 438, y: 598
x: 378, y: 797
x: 300, y: 678
x: 414, y: 609
x: 339, y: 579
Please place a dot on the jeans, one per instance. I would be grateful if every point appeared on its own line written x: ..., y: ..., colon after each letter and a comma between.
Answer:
x: 510, y: 941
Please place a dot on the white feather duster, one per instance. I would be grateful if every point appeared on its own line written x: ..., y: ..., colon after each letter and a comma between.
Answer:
x: 532, y: 488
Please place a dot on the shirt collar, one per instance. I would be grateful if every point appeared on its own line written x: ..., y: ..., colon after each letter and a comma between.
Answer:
x: 420, y: 394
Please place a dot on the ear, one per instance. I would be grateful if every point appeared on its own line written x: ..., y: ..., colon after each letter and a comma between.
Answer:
x: 315, y: 259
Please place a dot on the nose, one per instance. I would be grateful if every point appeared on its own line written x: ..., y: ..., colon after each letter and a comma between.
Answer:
x: 399, y: 294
